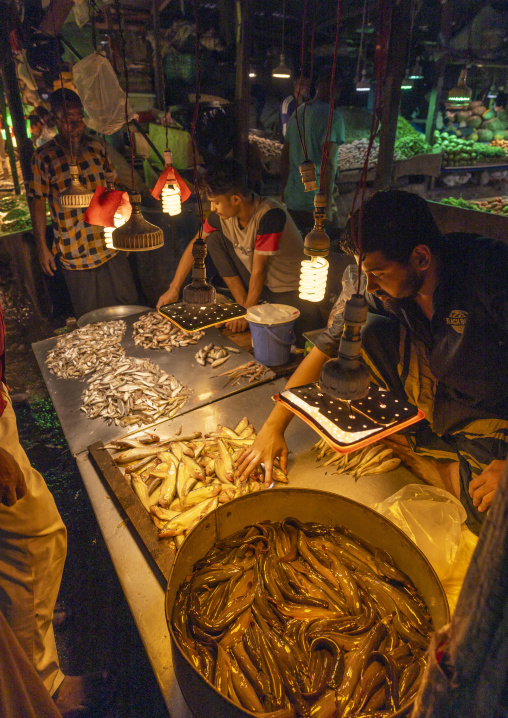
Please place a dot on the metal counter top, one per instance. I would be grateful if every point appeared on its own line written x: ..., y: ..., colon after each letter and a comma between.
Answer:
x: 80, y: 431
x: 141, y: 581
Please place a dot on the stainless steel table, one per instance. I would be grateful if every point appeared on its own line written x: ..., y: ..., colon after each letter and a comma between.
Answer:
x: 142, y: 582
x: 206, y: 385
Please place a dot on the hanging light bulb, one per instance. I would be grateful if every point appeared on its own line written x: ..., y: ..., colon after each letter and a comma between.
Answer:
x: 416, y: 72
x: 252, y: 72
x: 407, y: 84
x: 76, y: 195
x: 282, y: 71
x: 461, y: 94
x: 314, y: 272
x: 170, y: 195
x: 137, y: 235
x: 119, y: 221
x: 363, y: 85
x: 492, y: 93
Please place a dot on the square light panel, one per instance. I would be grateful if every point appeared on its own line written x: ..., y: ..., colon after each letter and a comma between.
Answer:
x: 194, y: 317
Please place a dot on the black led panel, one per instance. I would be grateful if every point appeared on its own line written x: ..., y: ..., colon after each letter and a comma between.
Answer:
x: 350, y: 425
x: 194, y: 317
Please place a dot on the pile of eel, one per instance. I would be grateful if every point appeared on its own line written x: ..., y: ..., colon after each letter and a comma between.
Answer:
x: 302, y: 619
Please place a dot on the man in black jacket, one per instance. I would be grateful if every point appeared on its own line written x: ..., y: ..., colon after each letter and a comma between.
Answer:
x: 437, y: 336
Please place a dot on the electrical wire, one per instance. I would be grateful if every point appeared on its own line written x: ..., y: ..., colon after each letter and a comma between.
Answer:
x: 195, y: 121
x: 311, y: 73
x: 59, y: 65
x: 326, y: 148
x: 360, y: 51
x: 302, y: 57
x: 123, y: 52
x: 380, y: 60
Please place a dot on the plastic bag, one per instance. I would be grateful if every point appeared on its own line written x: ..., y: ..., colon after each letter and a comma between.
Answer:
x: 349, y: 286
x: 101, y: 94
x: 434, y: 520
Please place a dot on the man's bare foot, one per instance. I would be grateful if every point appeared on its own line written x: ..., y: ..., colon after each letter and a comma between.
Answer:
x: 79, y: 696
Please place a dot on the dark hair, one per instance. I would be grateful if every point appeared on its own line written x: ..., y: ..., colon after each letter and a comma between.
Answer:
x: 325, y: 77
x: 62, y: 98
x: 226, y: 176
x: 394, y: 223
x: 41, y: 112
x: 34, y: 120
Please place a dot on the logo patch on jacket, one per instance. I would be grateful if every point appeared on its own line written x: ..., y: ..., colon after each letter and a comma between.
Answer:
x: 457, y: 320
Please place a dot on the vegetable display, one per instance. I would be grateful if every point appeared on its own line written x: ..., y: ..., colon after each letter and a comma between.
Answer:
x: 495, y: 205
x: 458, y: 152
x: 302, y: 619
x: 352, y: 155
x: 15, y: 215
x: 410, y: 146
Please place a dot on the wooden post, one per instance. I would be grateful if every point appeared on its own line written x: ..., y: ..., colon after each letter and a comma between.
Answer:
x: 8, y: 140
x: 435, y: 97
x: 242, y: 85
x: 11, y: 87
x: 157, y: 58
x: 396, y: 67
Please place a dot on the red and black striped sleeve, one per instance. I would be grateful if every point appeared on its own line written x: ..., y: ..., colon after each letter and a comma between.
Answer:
x: 271, y: 227
x: 211, y: 224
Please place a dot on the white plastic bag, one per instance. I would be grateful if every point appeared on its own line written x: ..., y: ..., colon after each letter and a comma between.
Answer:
x: 434, y: 520
x: 349, y: 287
x: 101, y: 94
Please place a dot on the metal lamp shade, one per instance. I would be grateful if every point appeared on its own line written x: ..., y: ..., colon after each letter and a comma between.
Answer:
x: 137, y: 235
x: 76, y: 195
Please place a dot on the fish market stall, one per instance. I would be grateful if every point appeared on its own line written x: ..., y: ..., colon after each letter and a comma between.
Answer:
x: 141, y: 579
x: 115, y: 351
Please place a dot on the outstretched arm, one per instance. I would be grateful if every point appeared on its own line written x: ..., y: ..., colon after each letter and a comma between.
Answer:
x: 270, y: 443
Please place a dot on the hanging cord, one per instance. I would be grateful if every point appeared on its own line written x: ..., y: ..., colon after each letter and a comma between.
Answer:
x: 123, y: 52
x: 326, y: 149
x: 379, y: 73
x: 360, y: 51
x: 59, y: 65
x: 195, y: 121
x: 91, y: 16
x: 302, y: 57
x: 411, y: 27
x: 283, y: 24
x: 311, y: 74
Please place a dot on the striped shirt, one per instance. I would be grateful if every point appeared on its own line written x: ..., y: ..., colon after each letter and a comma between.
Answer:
x: 80, y: 245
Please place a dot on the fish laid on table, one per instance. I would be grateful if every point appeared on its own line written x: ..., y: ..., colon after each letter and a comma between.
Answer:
x: 373, y: 459
x: 87, y: 349
x: 214, y: 355
x: 133, y: 391
x: 251, y: 371
x: 181, y: 479
x: 153, y: 331
x: 299, y: 619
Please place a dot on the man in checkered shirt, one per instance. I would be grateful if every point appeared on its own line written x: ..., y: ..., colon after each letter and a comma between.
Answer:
x: 95, y: 276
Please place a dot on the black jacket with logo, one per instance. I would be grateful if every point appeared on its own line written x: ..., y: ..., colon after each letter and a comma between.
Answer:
x: 467, y: 337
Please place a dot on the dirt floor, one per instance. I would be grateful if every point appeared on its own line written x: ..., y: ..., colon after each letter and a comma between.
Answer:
x: 99, y: 631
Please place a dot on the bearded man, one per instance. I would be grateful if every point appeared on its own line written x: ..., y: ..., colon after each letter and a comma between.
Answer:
x: 436, y: 336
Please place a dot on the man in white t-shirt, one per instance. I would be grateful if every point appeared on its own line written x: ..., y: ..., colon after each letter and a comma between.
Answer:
x: 254, y: 244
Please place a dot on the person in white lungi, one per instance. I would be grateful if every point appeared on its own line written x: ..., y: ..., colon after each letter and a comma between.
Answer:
x: 33, y: 547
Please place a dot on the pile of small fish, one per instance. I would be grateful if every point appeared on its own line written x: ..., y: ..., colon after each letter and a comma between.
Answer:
x: 152, y: 331
x: 302, y: 619
x: 181, y: 479
x: 87, y: 349
x: 214, y: 355
x: 133, y: 391
x: 251, y: 371
x: 373, y: 459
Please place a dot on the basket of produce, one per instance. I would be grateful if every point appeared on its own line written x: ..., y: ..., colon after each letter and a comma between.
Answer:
x: 300, y: 602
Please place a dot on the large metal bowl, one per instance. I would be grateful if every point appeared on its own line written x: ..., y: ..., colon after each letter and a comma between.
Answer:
x: 106, y: 314
x: 306, y: 505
